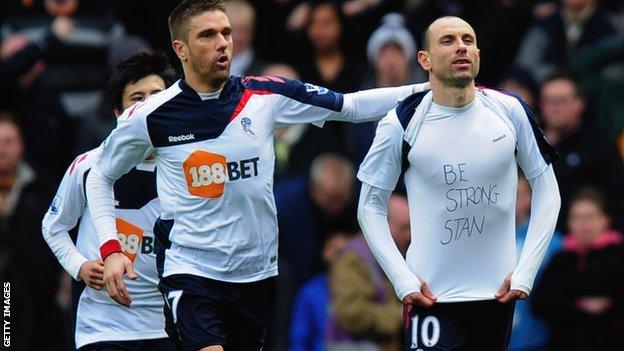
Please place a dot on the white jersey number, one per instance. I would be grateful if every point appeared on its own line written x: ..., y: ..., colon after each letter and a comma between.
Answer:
x: 429, y: 331
x: 172, y: 300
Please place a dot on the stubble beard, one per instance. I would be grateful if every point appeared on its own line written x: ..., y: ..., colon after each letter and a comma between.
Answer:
x: 212, y: 74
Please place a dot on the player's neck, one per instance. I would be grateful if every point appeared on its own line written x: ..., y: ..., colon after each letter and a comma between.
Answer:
x: 200, y: 85
x: 452, y: 96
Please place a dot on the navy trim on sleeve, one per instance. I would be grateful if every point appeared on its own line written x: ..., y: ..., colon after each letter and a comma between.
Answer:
x: 405, y: 109
x: 303, y: 92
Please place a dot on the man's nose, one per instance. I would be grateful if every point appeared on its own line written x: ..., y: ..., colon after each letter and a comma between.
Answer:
x: 222, y: 42
x: 461, y: 47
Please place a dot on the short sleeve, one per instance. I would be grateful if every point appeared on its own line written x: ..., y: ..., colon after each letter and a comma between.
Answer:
x: 126, y: 146
x: 382, y: 165
x: 533, y: 152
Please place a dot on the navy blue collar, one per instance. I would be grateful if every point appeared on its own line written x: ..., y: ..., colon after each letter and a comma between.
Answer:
x: 228, y: 88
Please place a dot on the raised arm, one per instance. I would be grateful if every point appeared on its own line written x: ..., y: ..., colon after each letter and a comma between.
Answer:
x: 373, y: 104
x: 296, y: 102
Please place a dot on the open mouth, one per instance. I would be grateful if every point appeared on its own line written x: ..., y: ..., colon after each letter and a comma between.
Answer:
x: 223, y: 61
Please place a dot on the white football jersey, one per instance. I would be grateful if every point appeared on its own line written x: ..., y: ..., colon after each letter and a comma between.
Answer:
x: 99, y: 318
x: 461, y: 179
x: 215, y: 161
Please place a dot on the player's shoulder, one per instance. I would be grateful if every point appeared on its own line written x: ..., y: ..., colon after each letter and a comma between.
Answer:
x: 143, y: 109
x: 83, y: 162
x: 271, y: 84
x: 406, y: 108
x: 294, y: 90
x: 505, y: 98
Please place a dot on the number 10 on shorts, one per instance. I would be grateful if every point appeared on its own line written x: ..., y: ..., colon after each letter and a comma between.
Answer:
x: 427, y: 332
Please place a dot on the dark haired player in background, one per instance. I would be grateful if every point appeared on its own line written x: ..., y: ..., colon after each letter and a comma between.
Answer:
x: 102, y: 324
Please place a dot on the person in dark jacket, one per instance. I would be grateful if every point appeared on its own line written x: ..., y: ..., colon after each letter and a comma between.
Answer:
x: 26, y: 264
x: 581, y: 293
x: 585, y: 158
x: 552, y: 41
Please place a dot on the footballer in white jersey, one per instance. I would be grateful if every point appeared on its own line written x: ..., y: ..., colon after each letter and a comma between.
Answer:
x: 101, y: 323
x: 211, y: 136
x: 460, y: 147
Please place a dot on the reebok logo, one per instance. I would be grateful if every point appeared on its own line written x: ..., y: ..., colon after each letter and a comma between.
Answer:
x: 185, y: 137
x: 499, y: 138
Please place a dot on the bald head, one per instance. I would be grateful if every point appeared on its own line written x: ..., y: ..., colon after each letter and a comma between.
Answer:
x: 450, y: 54
x: 331, y: 183
x: 440, y: 23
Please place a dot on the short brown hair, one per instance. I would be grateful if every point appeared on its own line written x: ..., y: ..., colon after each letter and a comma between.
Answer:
x: 178, y: 19
x: 593, y: 195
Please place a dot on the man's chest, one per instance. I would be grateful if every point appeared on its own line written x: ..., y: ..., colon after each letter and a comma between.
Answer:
x: 474, y: 148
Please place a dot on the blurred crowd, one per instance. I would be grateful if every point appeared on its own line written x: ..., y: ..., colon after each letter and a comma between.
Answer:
x: 565, y: 58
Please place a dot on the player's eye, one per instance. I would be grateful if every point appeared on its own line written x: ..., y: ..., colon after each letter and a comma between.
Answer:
x: 446, y: 40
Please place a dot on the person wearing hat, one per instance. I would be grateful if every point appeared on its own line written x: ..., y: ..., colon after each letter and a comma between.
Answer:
x: 391, y: 53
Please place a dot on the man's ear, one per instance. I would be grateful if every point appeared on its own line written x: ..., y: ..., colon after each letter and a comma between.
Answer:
x: 424, y: 60
x: 180, y: 48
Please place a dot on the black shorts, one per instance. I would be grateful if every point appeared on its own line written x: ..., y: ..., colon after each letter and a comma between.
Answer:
x: 202, y: 312
x: 132, y: 345
x: 461, y: 326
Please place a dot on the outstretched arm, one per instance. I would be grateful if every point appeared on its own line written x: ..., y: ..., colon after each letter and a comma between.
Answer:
x: 373, y: 104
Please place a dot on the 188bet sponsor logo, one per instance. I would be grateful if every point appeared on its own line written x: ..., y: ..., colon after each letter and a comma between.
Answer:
x: 132, y: 239
x: 206, y: 173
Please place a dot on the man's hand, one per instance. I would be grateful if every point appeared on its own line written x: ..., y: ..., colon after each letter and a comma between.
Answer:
x: 92, y: 272
x: 424, y: 298
x: 505, y: 295
x: 115, y: 266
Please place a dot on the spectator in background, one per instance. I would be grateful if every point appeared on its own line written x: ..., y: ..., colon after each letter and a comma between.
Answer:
x: 22, y: 62
x: 528, y: 333
x: 95, y: 127
x: 308, y: 326
x: 605, y: 92
x: 309, y: 208
x: 26, y: 262
x: 366, y: 315
x: 76, y: 71
x: 584, y: 160
x: 391, y: 52
x: 553, y: 40
x: 243, y: 20
x: 581, y: 293
x: 321, y: 54
x: 296, y: 146
x: 521, y: 82
x: 329, y: 64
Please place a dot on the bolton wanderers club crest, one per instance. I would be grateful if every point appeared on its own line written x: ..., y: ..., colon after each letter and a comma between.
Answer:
x: 246, y: 123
